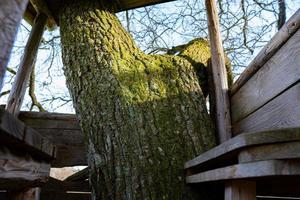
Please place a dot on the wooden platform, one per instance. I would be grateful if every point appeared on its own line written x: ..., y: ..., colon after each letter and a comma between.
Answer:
x: 64, y: 132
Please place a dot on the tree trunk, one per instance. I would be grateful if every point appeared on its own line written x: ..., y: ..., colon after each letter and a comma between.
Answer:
x: 143, y: 115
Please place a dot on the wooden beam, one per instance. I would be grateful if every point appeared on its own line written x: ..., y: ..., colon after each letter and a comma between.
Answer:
x: 240, y: 190
x: 287, y: 30
x: 17, y: 93
x: 23, y: 138
x: 286, y: 150
x: 26, y: 194
x: 20, y: 170
x: 65, y: 133
x: 243, y: 141
x: 260, y: 169
x: 8, y: 30
x: 223, y: 120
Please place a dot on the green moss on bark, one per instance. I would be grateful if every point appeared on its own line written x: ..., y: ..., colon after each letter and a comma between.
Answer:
x: 143, y: 115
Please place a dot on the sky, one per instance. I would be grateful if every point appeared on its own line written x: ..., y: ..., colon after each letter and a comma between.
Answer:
x: 50, y: 83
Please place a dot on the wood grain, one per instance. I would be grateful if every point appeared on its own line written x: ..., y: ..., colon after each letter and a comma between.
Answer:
x: 8, y: 29
x: 287, y: 30
x: 219, y: 74
x: 277, y: 74
x: 243, y: 141
x: 21, y: 169
x: 240, y: 190
x: 286, y: 150
x: 258, y: 169
x: 17, y: 92
x: 281, y: 112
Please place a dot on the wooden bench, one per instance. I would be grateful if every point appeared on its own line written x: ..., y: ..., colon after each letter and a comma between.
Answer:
x: 263, y: 157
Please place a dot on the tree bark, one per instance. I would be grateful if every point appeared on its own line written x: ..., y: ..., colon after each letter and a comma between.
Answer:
x: 143, y: 115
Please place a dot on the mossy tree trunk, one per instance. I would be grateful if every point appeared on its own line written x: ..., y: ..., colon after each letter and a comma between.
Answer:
x: 143, y: 115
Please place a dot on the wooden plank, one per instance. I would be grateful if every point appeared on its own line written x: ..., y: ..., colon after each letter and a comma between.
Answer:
x: 252, y: 170
x: 287, y: 30
x: 286, y: 150
x: 242, y: 141
x: 8, y: 29
x: 281, y: 112
x: 20, y: 170
x: 57, y: 186
x: 64, y: 132
x: 219, y: 75
x: 17, y: 93
x: 240, y: 190
x: 277, y: 74
x: 14, y: 133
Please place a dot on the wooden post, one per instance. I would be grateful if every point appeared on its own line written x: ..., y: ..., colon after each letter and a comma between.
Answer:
x: 240, y: 190
x: 19, y: 87
x: 219, y: 75
x: 11, y: 12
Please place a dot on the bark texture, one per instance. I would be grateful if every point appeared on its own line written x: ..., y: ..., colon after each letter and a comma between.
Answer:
x: 143, y: 115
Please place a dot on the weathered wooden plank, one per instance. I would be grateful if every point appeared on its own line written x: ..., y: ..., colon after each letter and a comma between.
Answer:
x: 219, y: 75
x: 287, y: 30
x: 64, y: 131
x: 242, y: 141
x: 20, y: 170
x: 252, y: 170
x: 57, y: 186
x: 17, y: 93
x: 286, y: 150
x: 277, y: 74
x: 8, y: 29
x: 14, y: 133
x: 240, y: 190
x: 281, y: 112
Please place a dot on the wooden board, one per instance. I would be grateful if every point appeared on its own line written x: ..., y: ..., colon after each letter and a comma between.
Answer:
x: 288, y: 29
x: 20, y: 170
x: 217, y: 154
x: 8, y: 30
x: 286, y: 150
x: 64, y: 131
x: 281, y: 112
x: 219, y: 74
x: 23, y: 138
x: 252, y: 170
x: 281, y: 71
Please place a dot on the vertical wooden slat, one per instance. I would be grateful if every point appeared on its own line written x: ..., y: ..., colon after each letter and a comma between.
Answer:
x: 240, y: 190
x: 11, y: 12
x: 219, y: 75
x: 19, y: 87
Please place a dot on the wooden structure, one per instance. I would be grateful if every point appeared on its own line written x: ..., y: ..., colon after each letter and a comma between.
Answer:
x: 263, y: 159
x: 259, y: 154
